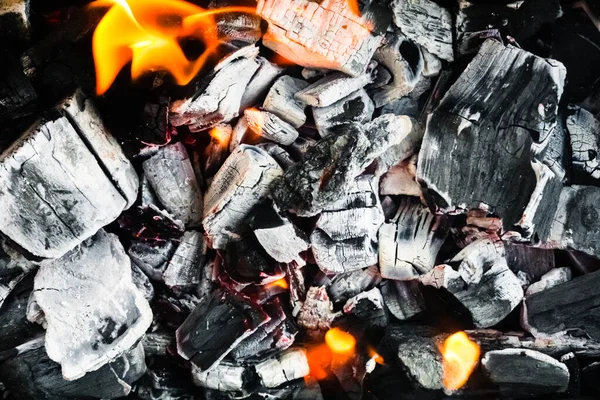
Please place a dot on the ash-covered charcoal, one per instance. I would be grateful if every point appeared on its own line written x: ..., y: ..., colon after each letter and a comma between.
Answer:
x: 247, y: 262
x: 409, y: 133
x: 142, y: 282
x: 283, y: 158
x: 216, y: 326
x: 367, y: 307
x: 243, y: 182
x: 328, y: 169
x: 282, y: 101
x: 90, y: 307
x: 345, y: 234
x: 316, y: 314
x: 8, y: 282
x: 332, y: 88
x: 525, y: 371
x: 31, y: 374
x: 15, y: 24
x: 489, y: 151
x: 172, y: 177
x: 401, y: 179
x: 356, y: 107
x: 236, y: 27
x: 584, y: 130
x: 421, y: 358
x: 301, y: 31
x: 185, y: 266
x: 154, y: 124
x: 299, y: 148
x: 568, y: 308
x: 225, y: 376
x: 474, y: 259
x: 346, y: 285
x: 404, y: 60
x: 426, y: 23
x: 280, y: 238
x: 240, y: 129
x: 170, y: 311
x: 409, y: 244
x: 269, y: 126
x: 550, y: 279
x: 218, y: 98
x: 403, y: 299
x: 283, y: 368
x: 17, y: 95
x: 261, y: 83
x: 476, y: 22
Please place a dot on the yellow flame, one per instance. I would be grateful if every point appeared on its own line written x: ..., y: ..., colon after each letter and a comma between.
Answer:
x: 340, y: 342
x: 460, y: 357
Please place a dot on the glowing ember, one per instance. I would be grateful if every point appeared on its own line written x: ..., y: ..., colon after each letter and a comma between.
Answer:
x: 340, y: 342
x: 282, y: 283
x: 375, y: 356
x: 147, y: 33
x: 221, y: 134
x: 460, y: 356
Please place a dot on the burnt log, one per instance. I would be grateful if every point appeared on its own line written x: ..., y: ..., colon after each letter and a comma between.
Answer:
x: 269, y: 126
x: 261, y: 83
x: 92, y: 315
x: 282, y: 102
x: 344, y: 286
x: 243, y: 182
x: 584, y: 132
x: 492, y: 139
x: 183, y: 270
x: 332, y: 88
x: 172, y: 177
x: 356, y: 107
x: 403, y: 299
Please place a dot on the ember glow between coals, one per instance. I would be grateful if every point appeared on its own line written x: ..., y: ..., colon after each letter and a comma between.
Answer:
x: 337, y: 342
x: 147, y: 34
x: 460, y: 357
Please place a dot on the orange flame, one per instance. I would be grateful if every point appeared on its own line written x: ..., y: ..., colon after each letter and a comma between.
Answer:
x: 147, y: 33
x: 375, y: 356
x: 460, y: 357
x: 282, y: 283
x: 255, y: 121
x: 338, y: 343
x: 222, y: 134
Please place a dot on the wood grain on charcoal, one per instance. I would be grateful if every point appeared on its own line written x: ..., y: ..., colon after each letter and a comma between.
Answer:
x: 584, y: 132
x: 346, y: 285
x: 269, y: 126
x: 407, y: 128
x: 356, y: 107
x: 183, y: 270
x: 486, y: 159
x: 283, y: 368
x: 403, y: 299
x: 261, y: 83
x: 92, y: 310
x: 332, y: 88
x: 282, y: 102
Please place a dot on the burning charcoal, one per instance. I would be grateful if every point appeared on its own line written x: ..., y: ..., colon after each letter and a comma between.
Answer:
x: 521, y: 370
x: 216, y: 151
x: 283, y: 158
x: 92, y: 314
x: 403, y: 127
x: 568, y: 307
x: 350, y: 284
x: 261, y: 83
x: 224, y: 376
x: 403, y: 298
x: 242, y: 183
x: 583, y: 130
x: 316, y: 314
x: 332, y: 88
x: 71, y: 178
x: 269, y: 126
x: 216, y: 326
x: 345, y: 234
x: 550, y: 279
x: 183, y: 270
x: 247, y: 262
x: 472, y: 183
x: 141, y: 282
x: 408, y: 246
x: 368, y: 308
x: 282, y: 102
x: 327, y: 170
x: 275, y: 371
x: 237, y: 136
x: 218, y: 100
x: 14, y: 21
x: 474, y: 259
x: 403, y: 59
x: 236, y: 27
x: 301, y: 31
x: 33, y: 375
x: 278, y: 236
x: 297, y: 287
x: 422, y: 360
x: 426, y: 23
x: 172, y: 177
x: 152, y: 258
x: 401, y: 179
x: 17, y: 95
x: 154, y: 127
x: 357, y: 107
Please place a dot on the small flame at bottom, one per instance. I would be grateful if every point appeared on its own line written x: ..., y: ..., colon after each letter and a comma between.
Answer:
x: 460, y: 357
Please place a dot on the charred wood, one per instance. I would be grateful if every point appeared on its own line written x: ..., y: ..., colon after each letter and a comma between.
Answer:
x: 403, y: 299
x: 356, y: 107
x: 584, y: 132
x: 401, y: 179
x: 550, y: 279
x: 332, y: 88
x: 217, y: 149
x: 316, y: 314
x: 142, y: 282
x: 233, y: 27
x: 154, y: 125
x: 247, y: 262
x: 269, y: 126
x: 409, y: 133
x: 183, y: 270
x: 225, y: 376
x: 282, y: 102
x: 368, y: 308
x: 15, y: 26
x: 283, y: 158
x: 292, y: 364
x: 261, y: 83
x: 533, y: 261
x: 344, y: 286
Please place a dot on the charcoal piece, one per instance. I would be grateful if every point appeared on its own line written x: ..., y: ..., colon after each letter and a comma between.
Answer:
x: 432, y: 65
x: 426, y: 23
x: 368, y: 307
x: 477, y: 22
x: 401, y: 179
x: 66, y: 190
x: 313, y: 74
x: 328, y: 169
x: 246, y: 262
x: 157, y: 343
x: 556, y: 153
x: 142, y: 282
x: 91, y: 314
x: 336, y: 256
x: 299, y: 148
x: 172, y: 177
x: 18, y: 98
x: 282, y: 102
x: 154, y: 125
x: 524, y: 370
x: 404, y: 60
x: 533, y: 261
x: 409, y: 244
x: 344, y: 286
x: 217, y: 149
x: 11, y: 261
x: 15, y: 25
x: 422, y: 360
x: 280, y: 238
x: 15, y: 329
x: 236, y: 26
x: 297, y: 287
x: 261, y: 84
x: 356, y: 107
x: 225, y: 376
x: 300, y: 31
x: 269, y: 126
x: 351, y: 223
x: 569, y: 307
x: 283, y: 158
x: 490, y: 131
x: 403, y: 298
x: 238, y: 135
x: 243, y: 182
x: 473, y: 260
x: 33, y: 375
x: 275, y: 371
x: 584, y: 132
x: 550, y: 279
x: 407, y: 129
x: 575, y: 224
x: 219, y: 100
x: 216, y: 326
x: 183, y: 270
x: 406, y: 105
x: 8, y: 283
x: 332, y: 88
x: 316, y: 314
